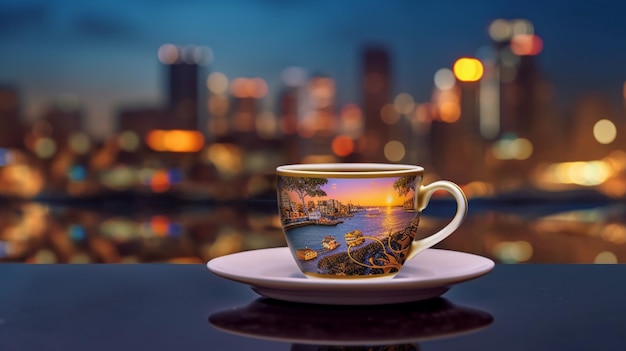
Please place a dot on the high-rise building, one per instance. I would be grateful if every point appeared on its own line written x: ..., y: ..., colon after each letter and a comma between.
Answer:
x: 183, y: 94
x: 376, y: 88
x: 182, y: 84
x: 11, y: 129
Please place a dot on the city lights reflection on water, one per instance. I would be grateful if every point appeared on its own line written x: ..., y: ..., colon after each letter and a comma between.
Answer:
x: 37, y: 233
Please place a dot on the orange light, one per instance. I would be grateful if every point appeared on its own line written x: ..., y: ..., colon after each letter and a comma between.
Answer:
x: 175, y: 140
x: 468, y: 69
x: 159, y: 225
x: 342, y: 145
x: 248, y: 88
x: 156, y: 140
x: 526, y: 45
x: 260, y: 88
x: 160, y: 182
x: 449, y: 111
x: 239, y: 87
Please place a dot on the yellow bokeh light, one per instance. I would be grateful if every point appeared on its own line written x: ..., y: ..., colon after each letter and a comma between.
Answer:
x: 45, y: 147
x: 604, y: 131
x: 590, y: 173
x: 129, y: 141
x: 509, y: 149
x: 394, y: 151
x: 79, y: 143
x: 605, y: 257
x: 227, y: 158
x: 468, y: 69
x: 513, y: 251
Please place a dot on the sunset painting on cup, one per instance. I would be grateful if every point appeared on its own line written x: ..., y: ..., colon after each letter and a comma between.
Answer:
x: 349, y: 226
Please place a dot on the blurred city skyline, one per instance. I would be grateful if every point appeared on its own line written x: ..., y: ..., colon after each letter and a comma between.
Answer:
x: 104, y: 54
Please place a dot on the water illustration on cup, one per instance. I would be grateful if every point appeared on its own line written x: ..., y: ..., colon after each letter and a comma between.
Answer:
x: 355, y: 221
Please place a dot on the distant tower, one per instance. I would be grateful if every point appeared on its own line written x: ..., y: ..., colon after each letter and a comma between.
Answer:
x: 376, y: 85
x: 183, y: 94
x: 11, y: 130
x: 183, y: 91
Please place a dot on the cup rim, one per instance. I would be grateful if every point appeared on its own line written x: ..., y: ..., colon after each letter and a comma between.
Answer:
x: 348, y: 170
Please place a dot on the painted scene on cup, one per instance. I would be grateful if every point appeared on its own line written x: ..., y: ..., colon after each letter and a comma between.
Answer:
x: 349, y: 227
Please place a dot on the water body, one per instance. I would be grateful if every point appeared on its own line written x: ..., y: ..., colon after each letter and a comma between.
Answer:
x: 389, y: 219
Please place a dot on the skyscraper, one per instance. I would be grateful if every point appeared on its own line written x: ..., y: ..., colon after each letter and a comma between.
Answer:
x: 376, y: 88
x: 183, y: 94
x: 11, y: 133
x: 183, y: 91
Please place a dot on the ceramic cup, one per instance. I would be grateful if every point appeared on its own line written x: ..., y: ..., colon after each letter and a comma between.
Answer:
x: 357, y: 220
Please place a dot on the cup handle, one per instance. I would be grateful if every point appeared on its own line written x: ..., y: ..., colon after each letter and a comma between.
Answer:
x: 424, y: 195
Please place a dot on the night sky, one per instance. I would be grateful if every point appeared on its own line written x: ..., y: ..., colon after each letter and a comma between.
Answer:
x: 104, y: 52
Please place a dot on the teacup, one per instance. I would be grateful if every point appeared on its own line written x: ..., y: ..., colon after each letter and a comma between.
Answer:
x: 357, y: 220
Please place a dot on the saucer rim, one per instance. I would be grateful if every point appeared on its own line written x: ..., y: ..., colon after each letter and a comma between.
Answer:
x: 290, y: 285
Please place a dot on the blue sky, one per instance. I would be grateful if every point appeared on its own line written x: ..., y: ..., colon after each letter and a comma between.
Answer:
x: 104, y: 52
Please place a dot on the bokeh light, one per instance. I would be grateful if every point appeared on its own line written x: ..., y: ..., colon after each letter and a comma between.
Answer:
x: 605, y: 257
x: 394, y: 151
x: 168, y: 54
x: 468, y: 69
x: 526, y: 45
x: 522, y: 27
x: 513, y: 251
x: 604, y: 131
x: 404, y: 103
x: 175, y: 140
x: 512, y: 149
x: 217, y: 82
x: 79, y: 143
x: 444, y: 79
x: 45, y: 147
x: 129, y: 141
x: 342, y: 145
x: 449, y: 111
x: 500, y: 30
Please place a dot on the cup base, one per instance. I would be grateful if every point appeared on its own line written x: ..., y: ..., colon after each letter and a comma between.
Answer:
x: 350, y: 277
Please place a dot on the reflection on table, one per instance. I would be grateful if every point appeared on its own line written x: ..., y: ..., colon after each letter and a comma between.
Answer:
x: 385, y: 327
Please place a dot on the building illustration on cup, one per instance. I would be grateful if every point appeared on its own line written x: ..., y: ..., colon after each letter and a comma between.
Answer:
x: 349, y: 226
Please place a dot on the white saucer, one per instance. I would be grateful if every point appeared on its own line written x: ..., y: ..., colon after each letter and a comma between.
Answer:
x: 273, y: 273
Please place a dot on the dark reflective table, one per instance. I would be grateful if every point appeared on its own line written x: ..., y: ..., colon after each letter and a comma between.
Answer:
x: 184, y: 307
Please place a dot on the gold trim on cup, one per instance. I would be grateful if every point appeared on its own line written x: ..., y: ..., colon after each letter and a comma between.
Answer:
x: 348, y: 170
